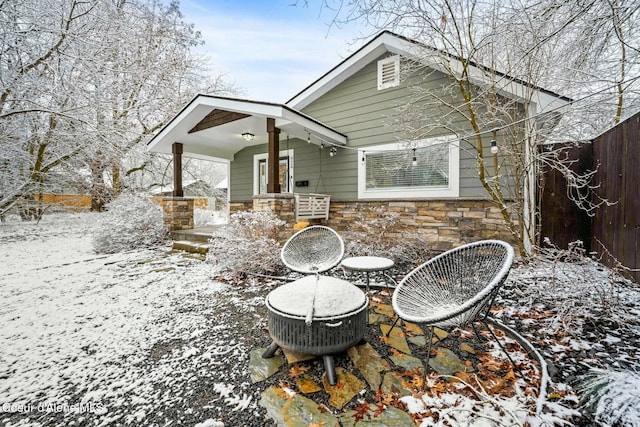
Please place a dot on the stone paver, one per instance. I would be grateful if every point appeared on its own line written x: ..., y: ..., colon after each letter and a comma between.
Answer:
x: 261, y: 369
x: 369, y: 363
x: 384, y: 309
x: 396, y: 338
x: 295, y: 410
x: 447, y: 362
x: 467, y: 348
x: 393, y: 383
x: 347, y: 387
x: 412, y: 329
x: 375, y: 318
x: 440, y: 334
x: 418, y: 341
x: 390, y: 417
x: 295, y: 357
x: 407, y: 362
x: 307, y: 385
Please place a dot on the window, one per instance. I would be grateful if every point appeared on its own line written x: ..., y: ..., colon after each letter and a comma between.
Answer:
x: 285, y: 173
x: 389, y: 171
x: 389, y: 72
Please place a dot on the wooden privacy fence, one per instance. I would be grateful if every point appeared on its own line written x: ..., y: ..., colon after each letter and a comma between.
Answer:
x: 614, y: 231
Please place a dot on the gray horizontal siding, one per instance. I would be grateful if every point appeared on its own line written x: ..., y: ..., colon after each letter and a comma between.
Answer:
x: 326, y: 174
x: 362, y: 112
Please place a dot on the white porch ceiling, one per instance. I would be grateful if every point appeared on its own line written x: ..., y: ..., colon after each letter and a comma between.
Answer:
x: 224, y: 140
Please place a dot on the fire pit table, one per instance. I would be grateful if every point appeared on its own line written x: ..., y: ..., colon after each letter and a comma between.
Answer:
x: 317, y: 315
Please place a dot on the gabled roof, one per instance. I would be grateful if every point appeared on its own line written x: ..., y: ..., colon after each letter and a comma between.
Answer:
x: 389, y: 42
x: 211, y: 127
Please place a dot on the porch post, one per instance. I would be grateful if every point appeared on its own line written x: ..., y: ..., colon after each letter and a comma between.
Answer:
x: 177, y: 169
x: 273, y: 161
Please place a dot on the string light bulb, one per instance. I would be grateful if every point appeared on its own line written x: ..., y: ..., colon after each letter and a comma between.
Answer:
x: 414, y: 161
x: 308, y: 138
x: 494, y: 146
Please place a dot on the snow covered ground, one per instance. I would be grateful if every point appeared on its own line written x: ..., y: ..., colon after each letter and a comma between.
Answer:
x: 78, y: 329
x: 148, y: 337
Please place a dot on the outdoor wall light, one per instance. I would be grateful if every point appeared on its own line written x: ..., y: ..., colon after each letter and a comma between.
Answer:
x: 333, y: 151
x: 494, y: 147
x: 248, y: 136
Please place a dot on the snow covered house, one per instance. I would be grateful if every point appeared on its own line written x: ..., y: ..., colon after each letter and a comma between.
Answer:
x: 334, y: 139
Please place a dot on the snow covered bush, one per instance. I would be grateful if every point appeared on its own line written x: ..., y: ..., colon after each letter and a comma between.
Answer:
x: 613, y: 397
x: 573, y: 289
x: 248, y: 243
x: 130, y: 222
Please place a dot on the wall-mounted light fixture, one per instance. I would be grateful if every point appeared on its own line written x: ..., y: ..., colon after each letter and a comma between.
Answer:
x: 333, y: 151
x: 494, y: 146
x: 248, y: 136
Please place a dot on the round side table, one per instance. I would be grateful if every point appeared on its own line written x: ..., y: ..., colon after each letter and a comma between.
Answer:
x: 368, y: 264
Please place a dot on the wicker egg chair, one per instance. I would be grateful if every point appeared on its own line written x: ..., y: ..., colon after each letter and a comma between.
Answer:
x: 313, y: 250
x: 455, y: 288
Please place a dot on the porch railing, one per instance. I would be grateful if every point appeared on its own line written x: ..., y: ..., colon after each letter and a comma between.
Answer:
x: 312, y: 206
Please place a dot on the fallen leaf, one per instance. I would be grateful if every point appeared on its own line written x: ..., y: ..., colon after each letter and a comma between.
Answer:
x: 297, y: 370
x: 361, y: 411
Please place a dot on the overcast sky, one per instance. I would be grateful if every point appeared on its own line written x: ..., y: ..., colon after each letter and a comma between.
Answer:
x: 270, y: 49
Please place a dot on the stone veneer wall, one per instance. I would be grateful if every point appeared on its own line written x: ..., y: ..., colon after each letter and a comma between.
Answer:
x: 442, y: 224
x: 178, y: 212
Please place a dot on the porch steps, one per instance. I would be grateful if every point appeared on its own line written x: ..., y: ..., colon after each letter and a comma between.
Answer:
x: 195, y: 241
x: 192, y: 247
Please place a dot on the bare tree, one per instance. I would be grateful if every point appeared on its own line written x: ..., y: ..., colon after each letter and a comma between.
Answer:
x: 82, y: 84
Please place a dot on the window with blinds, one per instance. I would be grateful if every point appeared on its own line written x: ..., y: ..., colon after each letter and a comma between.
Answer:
x: 395, y: 169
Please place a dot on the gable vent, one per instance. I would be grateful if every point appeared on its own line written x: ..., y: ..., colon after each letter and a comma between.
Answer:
x: 389, y: 72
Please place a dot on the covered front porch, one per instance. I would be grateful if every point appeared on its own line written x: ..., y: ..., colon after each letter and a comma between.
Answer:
x: 216, y: 128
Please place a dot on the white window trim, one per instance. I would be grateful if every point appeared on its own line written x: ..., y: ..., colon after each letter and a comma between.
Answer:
x: 452, y: 191
x: 395, y: 61
x: 263, y: 156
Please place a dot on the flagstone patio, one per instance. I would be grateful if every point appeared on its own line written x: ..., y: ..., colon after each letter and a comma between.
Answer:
x: 376, y: 373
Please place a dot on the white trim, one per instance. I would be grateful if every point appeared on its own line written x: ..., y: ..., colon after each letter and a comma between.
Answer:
x: 263, y: 156
x: 225, y: 141
x: 389, y: 72
x: 452, y: 191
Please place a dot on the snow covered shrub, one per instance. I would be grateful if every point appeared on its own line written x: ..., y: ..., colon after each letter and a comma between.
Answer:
x: 248, y: 243
x: 573, y: 289
x: 613, y: 397
x: 378, y: 232
x: 130, y: 222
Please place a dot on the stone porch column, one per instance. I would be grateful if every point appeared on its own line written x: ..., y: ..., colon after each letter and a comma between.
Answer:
x: 178, y: 213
